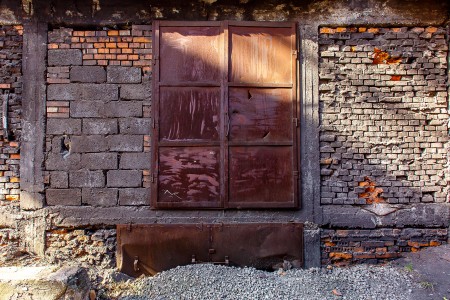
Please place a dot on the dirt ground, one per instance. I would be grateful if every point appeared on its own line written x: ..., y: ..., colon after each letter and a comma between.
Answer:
x: 431, y: 269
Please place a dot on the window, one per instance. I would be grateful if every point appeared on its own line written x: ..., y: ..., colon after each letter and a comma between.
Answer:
x: 226, y: 115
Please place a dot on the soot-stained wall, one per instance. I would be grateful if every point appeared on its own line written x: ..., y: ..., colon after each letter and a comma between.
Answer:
x: 372, y: 89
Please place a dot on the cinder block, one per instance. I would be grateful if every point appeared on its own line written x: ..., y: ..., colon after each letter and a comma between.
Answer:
x: 136, y: 91
x: 92, y: 74
x: 99, y: 126
x: 63, y: 196
x: 126, y: 143
x: 118, y: 74
x: 89, y: 143
x: 124, y: 178
x: 83, y: 91
x: 135, y: 126
x: 65, y: 57
x: 99, y: 197
x: 59, y: 180
x: 114, y: 109
x: 86, y: 179
x: 99, y: 161
x: 63, y: 126
x: 134, y: 161
x: 135, y: 196
x: 56, y: 162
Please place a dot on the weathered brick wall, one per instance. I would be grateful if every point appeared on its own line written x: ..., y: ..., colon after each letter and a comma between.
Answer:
x: 10, y: 91
x: 384, y: 133
x: 98, y: 117
x: 89, y: 246
x: 356, y: 245
x: 383, y: 100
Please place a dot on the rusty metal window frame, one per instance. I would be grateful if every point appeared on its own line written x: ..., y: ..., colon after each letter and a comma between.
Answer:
x: 225, y: 84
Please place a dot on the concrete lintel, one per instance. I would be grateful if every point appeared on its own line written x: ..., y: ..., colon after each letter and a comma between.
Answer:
x: 33, y: 107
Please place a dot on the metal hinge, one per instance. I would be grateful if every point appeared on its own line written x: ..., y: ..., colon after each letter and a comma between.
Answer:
x: 294, y: 53
x: 153, y: 178
x: 295, y: 120
x: 155, y: 59
x: 295, y: 173
x: 153, y: 123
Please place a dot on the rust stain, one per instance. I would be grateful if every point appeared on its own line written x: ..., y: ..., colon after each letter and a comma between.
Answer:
x: 382, y: 57
x: 371, y: 192
x: 340, y: 255
x: 396, y: 77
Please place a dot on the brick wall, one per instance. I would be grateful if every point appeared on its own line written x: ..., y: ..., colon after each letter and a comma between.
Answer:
x: 98, y: 117
x: 10, y: 91
x: 384, y: 133
x: 383, y: 102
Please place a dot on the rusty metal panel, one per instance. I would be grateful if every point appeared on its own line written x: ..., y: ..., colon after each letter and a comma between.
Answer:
x: 148, y: 249
x: 189, y: 176
x: 260, y: 245
x: 260, y: 114
x: 261, y: 54
x: 189, y: 113
x: 190, y: 54
x: 261, y: 176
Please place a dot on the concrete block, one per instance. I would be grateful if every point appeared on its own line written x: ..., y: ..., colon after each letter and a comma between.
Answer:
x: 136, y: 91
x: 99, y: 126
x: 135, y: 161
x: 86, y: 179
x: 59, y: 180
x: 56, y: 162
x: 83, y: 91
x: 99, y: 197
x: 99, y: 161
x: 135, y: 196
x: 89, y: 143
x: 89, y: 74
x: 126, y: 143
x: 44, y: 283
x: 64, y: 197
x: 115, y: 109
x: 63, y: 126
x: 117, y: 74
x: 124, y: 178
x: 65, y: 57
x: 135, y: 126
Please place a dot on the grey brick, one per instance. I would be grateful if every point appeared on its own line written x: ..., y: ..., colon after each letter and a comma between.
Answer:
x: 93, y: 74
x: 63, y: 126
x: 135, y: 196
x: 124, y: 178
x: 117, y: 74
x: 89, y: 143
x: 55, y: 161
x: 65, y: 57
x: 126, y: 143
x: 83, y: 91
x: 86, y: 179
x: 135, y: 161
x: 59, y: 179
x: 99, y: 197
x: 63, y: 196
x: 136, y: 91
x: 135, y: 126
x: 115, y: 109
x: 99, y: 161
x: 99, y: 126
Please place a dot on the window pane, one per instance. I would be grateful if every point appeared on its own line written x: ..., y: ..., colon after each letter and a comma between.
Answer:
x: 189, y: 174
x: 190, y: 54
x: 261, y: 174
x: 260, y: 114
x: 261, y: 55
x: 189, y: 113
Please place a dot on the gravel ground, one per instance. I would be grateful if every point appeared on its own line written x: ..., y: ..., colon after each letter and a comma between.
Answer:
x: 219, y: 282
